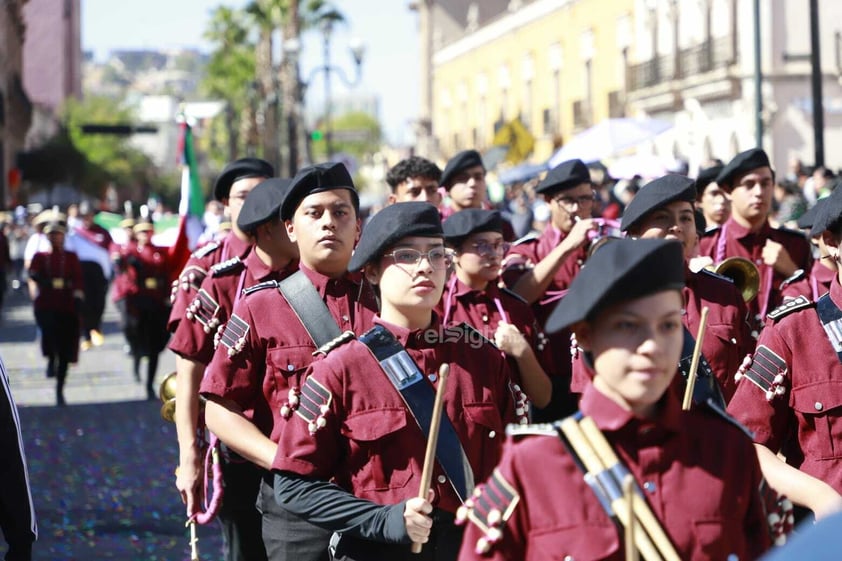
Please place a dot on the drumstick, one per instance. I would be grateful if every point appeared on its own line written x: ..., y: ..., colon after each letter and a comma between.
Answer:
x: 432, y: 441
x: 194, y: 541
x: 694, y: 362
x: 628, y: 493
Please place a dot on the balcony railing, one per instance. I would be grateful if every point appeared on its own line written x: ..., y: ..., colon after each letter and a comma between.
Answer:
x: 704, y: 57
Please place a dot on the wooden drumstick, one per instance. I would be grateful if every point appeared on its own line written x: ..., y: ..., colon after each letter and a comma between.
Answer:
x: 194, y: 541
x: 432, y: 441
x: 694, y: 362
x: 628, y: 493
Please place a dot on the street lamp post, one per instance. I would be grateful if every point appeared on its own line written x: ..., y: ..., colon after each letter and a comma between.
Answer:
x: 292, y: 48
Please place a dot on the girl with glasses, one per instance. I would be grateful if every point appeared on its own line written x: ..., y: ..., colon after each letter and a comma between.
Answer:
x: 351, y: 455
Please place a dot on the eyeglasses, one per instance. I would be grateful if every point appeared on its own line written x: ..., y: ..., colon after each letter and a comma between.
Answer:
x: 438, y: 257
x: 569, y: 202
x: 486, y: 248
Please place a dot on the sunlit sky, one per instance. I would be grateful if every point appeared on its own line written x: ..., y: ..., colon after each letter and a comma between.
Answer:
x: 387, y: 27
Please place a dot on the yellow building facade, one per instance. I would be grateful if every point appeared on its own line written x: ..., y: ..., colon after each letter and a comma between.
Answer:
x: 557, y: 65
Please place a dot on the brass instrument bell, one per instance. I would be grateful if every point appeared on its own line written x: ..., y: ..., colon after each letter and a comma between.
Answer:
x: 167, y: 394
x: 744, y: 273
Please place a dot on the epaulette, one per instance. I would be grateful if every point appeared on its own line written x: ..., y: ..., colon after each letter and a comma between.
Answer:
x: 338, y: 341
x: 191, y: 276
x: 489, y: 508
x: 766, y: 369
x: 799, y: 303
x: 205, y: 250
x: 203, y: 309
x: 234, y: 335
x: 710, y: 273
x: 536, y: 429
x: 260, y: 286
x: 527, y: 238
x: 227, y: 266
x: 791, y: 232
x: 795, y: 277
x: 514, y: 295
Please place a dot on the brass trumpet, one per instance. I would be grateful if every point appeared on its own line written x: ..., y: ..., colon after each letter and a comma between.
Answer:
x: 743, y: 272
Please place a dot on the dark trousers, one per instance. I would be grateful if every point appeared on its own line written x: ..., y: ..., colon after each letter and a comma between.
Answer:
x: 445, y: 541
x: 95, y: 288
x: 240, y: 519
x: 286, y: 536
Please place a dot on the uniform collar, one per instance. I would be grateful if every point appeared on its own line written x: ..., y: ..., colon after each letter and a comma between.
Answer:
x: 328, y: 285
x: 259, y: 270
x: 738, y: 231
x: 609, y: 416
x: 236, y: 246
x: 462, y: 289
x: 821, y: 273
x: 411, y: 337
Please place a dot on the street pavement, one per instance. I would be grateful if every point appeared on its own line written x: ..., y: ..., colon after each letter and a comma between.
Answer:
x: 102, y: 468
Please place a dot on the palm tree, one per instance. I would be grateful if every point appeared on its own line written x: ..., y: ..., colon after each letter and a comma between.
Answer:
x: 231, y: 68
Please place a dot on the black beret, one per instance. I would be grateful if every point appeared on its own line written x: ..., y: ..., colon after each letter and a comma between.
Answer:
x: 829, y: 214
x: 564, y: 176
x: 706, y: 177
x: 462, y: 224
x: 240, y: 169
x: 619, y: 271
x: 316, y: 179
x: 656, y: 194
x: 263, y: 203
x: 391, y: 225
x: 463, y: 160
x: 742, y: 163
x: 806, y: 220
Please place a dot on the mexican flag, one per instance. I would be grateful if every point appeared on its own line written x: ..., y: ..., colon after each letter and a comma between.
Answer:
x: 192, y: 205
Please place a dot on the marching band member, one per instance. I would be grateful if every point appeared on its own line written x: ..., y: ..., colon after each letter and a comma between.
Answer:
x: 782, y: 256
x: 55, y: 286
x: 824, y: 267
x: 350, y: 458
x: 663, y: 208
x: 273, y: 257
x: 789, y: 394
x: 697, y: 473
x: 541, y: 269
x: 258, y: 367
x: 414, y: 179
x: 472, y: 296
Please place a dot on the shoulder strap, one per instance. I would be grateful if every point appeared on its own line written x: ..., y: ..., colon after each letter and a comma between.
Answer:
x: 831, y: 320
x: 419, y: 396
x: 788, y: 307
x: 312, y: 312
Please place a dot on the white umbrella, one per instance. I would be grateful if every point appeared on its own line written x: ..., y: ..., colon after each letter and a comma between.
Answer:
x: 607, y: 138
x: 644, y: 165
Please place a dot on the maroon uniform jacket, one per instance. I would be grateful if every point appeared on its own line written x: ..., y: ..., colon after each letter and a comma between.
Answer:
x: 791, y: 395
x: 148, y: 273
x: 189, y: 282
x: 478, y: 308
x: 820, y: 279
x: 196, y: 338
x: 264, y: 350
x: 727, y: 339
x: 122, y: 281
x: 733, y: 240
x: 59, y: 275
x: 699, y: 474
x: 370, y: 444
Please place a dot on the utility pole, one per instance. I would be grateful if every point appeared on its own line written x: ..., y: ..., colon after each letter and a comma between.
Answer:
x: 758, y: 79
x: 818, y: 103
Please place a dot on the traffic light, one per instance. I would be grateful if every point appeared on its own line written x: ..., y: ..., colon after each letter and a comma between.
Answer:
x: 317, y: 135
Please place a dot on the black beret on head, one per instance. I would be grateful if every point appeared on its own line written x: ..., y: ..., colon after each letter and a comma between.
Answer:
x: 829, y: 214
x: 806, y: 220
x: 317, y: 179
x: 462, y: 224
x: 240, y: 169
x: 619, y: 271
x: 564, y: 176
x: 263, y: 203
x: 461, y: 161
x: 391, y: 225
x: 656, y: 194
x: 743, y: 162
x: 706, y: 177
